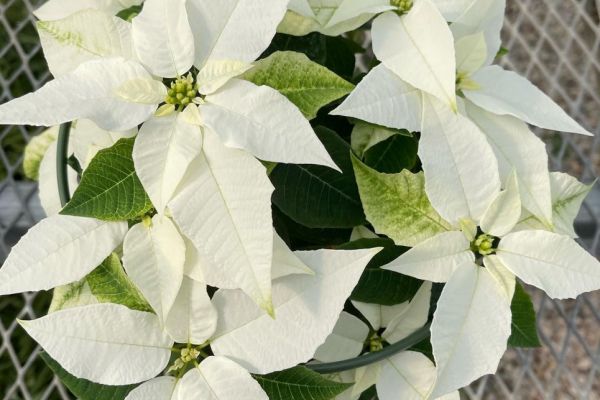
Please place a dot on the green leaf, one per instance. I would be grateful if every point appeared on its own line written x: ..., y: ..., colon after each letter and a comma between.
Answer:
x: 397, y: 205
x: 392, y: 155
x: 299, y: 383
x: 524, y: 330
x: 316, y: 196
x: 305, y: 83
x: 110, y: 284
x: 365, y: 135
x: 378, y: 285
x: 84, y: 389
x: 110, y: 189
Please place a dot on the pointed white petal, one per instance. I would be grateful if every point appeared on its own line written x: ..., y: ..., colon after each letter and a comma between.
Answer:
x: 143, y: 91
x: 163, y: 38
x: 567, y: 195
x: 552, y: 262
x: 503, y: 276
x: 362, y: 232
x: 218, y: 378
x: 453, y: 9
x: 364, y: 378
x: 305, y: 306
x: 504, y: 212
x: 233, y: 29
x: 457, y: 187
x: 419, y: 48
x: 380, y: 316
x: 346, y: 341
x: 160, y: 388
x: 216, y: 73
x: 352, y: 14
x: 413, y: 318
x: 48, y: 182
x: 153, y: 257
x: 81, y: 37
x: 193, y: 318
x: 224, y: 208
x: 497, y: 88
x: 262, y: 121
x: 58, y: 250
x: 104, y: 343
x: 408, y: 376
x: 383, y: 98
x: 87, y: 92
x: 470, y: 328
x: 435, y: 259
x: 471, y: 53
x: 58, y: 9
x: 195, y: 263
x: 520, y: 150
x: 163, y: 150
x: 285, y: 262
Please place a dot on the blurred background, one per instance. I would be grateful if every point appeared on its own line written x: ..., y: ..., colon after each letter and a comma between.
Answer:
x: 555, y: 43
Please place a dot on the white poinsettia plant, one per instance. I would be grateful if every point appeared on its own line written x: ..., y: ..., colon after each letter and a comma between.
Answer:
x: 245, y: 215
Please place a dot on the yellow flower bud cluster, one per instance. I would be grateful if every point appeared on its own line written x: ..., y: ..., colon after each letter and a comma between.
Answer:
x: 182, y: 91
x: 484, y: 244
x: 404, y: 6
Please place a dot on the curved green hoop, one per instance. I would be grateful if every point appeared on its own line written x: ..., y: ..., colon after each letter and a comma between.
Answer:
x: 324, y: 368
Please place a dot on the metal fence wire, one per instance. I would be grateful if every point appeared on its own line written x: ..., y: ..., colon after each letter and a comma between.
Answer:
x: 556, y: 43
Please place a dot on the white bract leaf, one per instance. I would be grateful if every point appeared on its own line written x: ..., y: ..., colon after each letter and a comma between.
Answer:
x: 217, y: 73
x: 419, y: 48
x: 520, y: 150
x: 567, y: 196
x: 453, y: 9
x: 470, y: 329
x: 160, y: 388
x: 504, y: 211
x: 163, y: 38
x: 58, y: 9
x: 154, y: 257
x: 233, y: 29
x: 503, y: 276
x: 552, y: 262
x: 87, y: 92
x: 224, y: 208
x: 379, y: 316
x: 412, y: 318
x: 104, y: 343
x: 48, y: 182
x: 507, y: 93
x: 192, y: 319
x: 217, y: 378
x: 163, y: 150
x: 407, y: 375
x: 84, y: 36
x: 345, y: 342
x: 471, y: 53
x: 456, y: 186
x: 305, y: 306
x: 435, y: 259
x: 262, y: 121
x: 354, y: 14
x: 58, y: 250
x: 285, y: 262
x: 383, y: 98
x: 143, y: 91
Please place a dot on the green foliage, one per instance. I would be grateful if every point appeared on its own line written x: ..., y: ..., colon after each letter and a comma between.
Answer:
x: 110, y: 189
x: 392, y: 155
x: 305, y: 83
x: 86, y: 390
x: 317, y: 196
x: 299, y: 383
x: 524, y: 331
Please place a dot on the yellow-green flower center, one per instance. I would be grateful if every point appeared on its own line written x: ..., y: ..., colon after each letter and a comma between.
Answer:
x: 484, y: 244
x: 375, y: 343
x: 404, y: 6
x: 182, y: 91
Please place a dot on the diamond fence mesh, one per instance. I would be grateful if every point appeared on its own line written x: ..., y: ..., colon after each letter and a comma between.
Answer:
x: 556, y: 43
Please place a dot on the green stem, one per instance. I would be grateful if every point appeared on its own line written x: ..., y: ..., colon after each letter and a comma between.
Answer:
x: 62, y: 149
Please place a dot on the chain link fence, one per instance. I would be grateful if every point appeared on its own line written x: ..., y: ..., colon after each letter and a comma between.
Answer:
x: 556, y: 43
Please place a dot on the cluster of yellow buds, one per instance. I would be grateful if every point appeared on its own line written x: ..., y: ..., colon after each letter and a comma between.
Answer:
x: 182, y: 92
x: 404, y: 6
x: 187, y: 356
x: 375, y: 343
x: 484, y: 244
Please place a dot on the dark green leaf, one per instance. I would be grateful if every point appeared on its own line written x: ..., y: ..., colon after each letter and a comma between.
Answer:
x: 524, y: 330
x: 317, y: 196
x: 299, y: 383
x: 110, y: 189
x: 129, y: 13
x: 369, y: 394
x: 86, y: 390
x: 392, y: 155
x: 110, y: 284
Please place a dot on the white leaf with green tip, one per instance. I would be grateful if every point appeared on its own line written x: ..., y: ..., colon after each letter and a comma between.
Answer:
x: 503, y: 276
x: 364, y: 136
x: 345, y: 341
x: 504, y: 211
x: 193, y: 318
x: 77, y: 294
x: 397, y: 205
x: 59, y: 9
x: 456, y: 186
x: 549, y: 261
x: 305, y: 306
x: 262, y: 121
x: 216, y: 73
x: 217, y: 378
x: 163, y: 39
x: 470, y: 329
x: 126, y: 346
x: 163, y: 150
x: 224, y: 208
x: 58, y: 250
x: 412, y: 318
x: 35, y: 151
x: 567, y: 196
x: 435, y: 259
x: 362, y: 232
x: 419, y: 48
x: 497, y: 94
x: 407, y: 375
x: 471, y: 53
x: 153, y: 257
x: 86, y: 92
x: 383, y: 98
x: 160, y: 388
x: 86, y: 35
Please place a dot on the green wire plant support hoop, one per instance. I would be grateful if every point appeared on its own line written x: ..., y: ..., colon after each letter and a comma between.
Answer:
x: 323, y: 368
